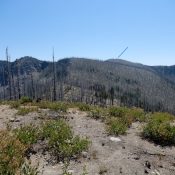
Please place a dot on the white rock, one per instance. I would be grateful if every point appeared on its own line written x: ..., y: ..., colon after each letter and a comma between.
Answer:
x: 115, y: 139
x: 12, y: 119
x: 84, y: 154
x: 70, y: 171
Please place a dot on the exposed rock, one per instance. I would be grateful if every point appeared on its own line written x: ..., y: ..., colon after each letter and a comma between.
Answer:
x: 85, y: 154
x: 115, y: 139
x: 12, y: 119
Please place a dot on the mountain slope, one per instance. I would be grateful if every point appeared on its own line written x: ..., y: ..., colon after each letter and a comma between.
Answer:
x: 98, y: 82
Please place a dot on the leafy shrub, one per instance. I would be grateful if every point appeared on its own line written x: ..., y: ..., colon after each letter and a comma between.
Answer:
x: 61, y: 141
x: 56, y: 106
x: 95, y: 113
x: 11, y: 154
x: 25, y: 110
x: 14, y: 104
x: 84, y: 107
x: 27, y: 169
x: 118, y: 111
x: 27, y: 134
x: 138, y: 114
x: 116, y: 126
x: 25, y: 99
x: 162, y: 117
x: 160, y: 132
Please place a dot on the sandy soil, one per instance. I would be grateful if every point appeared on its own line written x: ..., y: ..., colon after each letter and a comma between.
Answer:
x: 132, y: 155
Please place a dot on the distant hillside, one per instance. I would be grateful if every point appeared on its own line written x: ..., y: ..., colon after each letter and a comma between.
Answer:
x: 94, y: 81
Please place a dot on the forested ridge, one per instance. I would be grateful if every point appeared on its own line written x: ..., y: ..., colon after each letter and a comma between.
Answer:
x: 91, y: 81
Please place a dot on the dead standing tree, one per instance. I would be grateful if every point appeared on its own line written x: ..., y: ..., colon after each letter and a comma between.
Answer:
x: 8, y: 75
x: 54, y: 78
x: 18, y: 80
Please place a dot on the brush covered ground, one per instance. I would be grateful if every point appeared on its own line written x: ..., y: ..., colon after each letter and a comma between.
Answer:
x: 76, y: 139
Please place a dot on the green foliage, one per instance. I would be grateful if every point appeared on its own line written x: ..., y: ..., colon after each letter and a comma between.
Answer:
x: 162, y: 117
x: 14, y: 104
x: 116, y: 126
x: 25, y: 100
x: 159, y: 129
x: 65, y: 169
x: 11, y: 154
x: 160, y: 132
x: 27, y: 169
x: 25, y: 110
x: 138, y: 114
x: 118, y: 111
x: 96, y: 113
x: 84, y: 107
x: 61, y: 141
x: 56, y: 106
x: 27, y: 134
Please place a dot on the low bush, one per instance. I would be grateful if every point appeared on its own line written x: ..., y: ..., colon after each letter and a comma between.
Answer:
x: 61, y: 141
x: 25, y: 110
x: 137, y: 114
x: 25, y: 100
x: 27, y: 134
x: 84, y: 107
x: 160, y: 132
x: 95, y: 113
x: 14, y: 104
x: 27, y: 169
x: 11, y: 154
x: 162, y: 117
x: 118, y: 111
x: 56, y: 106
x: 116, y: 126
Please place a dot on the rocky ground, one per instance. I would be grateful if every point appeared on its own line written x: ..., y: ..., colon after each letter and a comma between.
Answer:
x: 125, y: 155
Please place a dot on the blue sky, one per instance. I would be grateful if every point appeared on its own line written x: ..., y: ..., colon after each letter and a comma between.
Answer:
x: 98, y: 29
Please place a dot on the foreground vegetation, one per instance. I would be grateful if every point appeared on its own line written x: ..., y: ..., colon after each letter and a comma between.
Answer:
x: 56, y: 135
x: 59, y: 140
x: 158, y: 127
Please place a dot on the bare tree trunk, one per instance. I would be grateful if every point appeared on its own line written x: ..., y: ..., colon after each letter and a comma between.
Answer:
x: 33, y: 89
x: 3, y: 84
x: 18, y: 81
x: 54, y: 79
x: 13, y: 87
x: 9, y: 74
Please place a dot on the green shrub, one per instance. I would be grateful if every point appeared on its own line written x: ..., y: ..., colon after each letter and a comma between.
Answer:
x: 66, y: 171
x: 118, y: 111
x: 61, y: 141
x: 25, y: 99
x: 12, y: 153
x: 160, y: 132
x: 25, y: 110
x: 116, y: 126
x: 27, y: 169
x: 56, y: 106
x: 84, y: 107
x: 27, y: 134
x: 95, y: 113
x: 14, y: 104
x: 138, y: 114
x: 162, y: 117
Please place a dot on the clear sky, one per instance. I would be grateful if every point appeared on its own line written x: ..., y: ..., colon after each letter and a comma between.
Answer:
x: 89, y: 28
